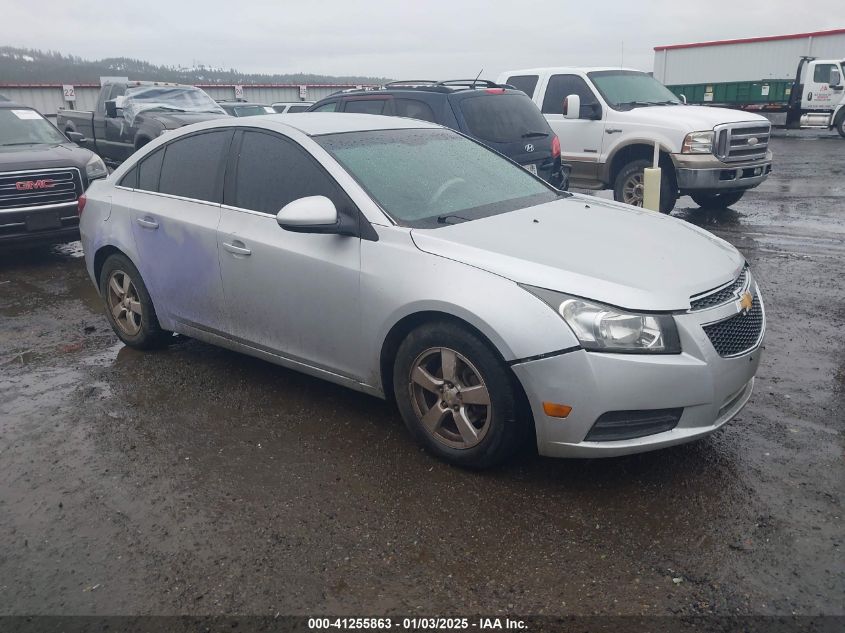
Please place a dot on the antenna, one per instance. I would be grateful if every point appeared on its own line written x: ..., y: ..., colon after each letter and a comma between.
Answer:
x: 476, y: 77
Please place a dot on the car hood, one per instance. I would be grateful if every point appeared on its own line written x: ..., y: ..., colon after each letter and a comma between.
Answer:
x: 592, y: 248
x: 690, y: 117
x: 20, y: 157
x: 173, y: 120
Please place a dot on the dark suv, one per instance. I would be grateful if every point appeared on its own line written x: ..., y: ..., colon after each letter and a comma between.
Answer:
x: 500, y: 116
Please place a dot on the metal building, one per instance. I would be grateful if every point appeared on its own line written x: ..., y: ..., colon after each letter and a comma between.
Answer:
x: 749, y: 59
x: 48, y: 98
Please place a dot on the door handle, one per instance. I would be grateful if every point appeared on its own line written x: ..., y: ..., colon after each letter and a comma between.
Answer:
x: 237, y: 248
x: 612, y: 130
x: 147, y: 223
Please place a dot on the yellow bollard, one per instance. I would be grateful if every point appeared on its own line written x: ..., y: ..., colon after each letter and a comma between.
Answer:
x: 651, y: 183
x: 651, y: 188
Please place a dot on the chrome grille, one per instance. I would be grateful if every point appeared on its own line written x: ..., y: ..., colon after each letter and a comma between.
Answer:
x: 738, y: 334
x: 720, y: 296
x: 735, y: 141
x: 40, y: 187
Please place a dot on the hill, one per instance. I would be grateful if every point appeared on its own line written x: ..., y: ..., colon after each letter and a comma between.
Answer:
x: 22, y: 65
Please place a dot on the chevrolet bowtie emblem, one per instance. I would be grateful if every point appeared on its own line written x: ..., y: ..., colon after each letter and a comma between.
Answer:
x: 745, y: 302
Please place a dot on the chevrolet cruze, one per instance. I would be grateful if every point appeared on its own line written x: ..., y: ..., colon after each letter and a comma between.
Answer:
x: 404, y: 260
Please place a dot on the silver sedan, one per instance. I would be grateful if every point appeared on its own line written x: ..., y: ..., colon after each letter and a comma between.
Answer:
x: 401, y: 259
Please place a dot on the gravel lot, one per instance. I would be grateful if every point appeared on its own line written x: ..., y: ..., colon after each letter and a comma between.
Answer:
x: 198, y: 481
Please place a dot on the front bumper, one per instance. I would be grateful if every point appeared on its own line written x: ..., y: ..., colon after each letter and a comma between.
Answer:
x: 709, y: 388
x: 708, y: 173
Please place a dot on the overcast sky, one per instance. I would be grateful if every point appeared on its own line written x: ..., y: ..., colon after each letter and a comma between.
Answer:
x: 398, y: 38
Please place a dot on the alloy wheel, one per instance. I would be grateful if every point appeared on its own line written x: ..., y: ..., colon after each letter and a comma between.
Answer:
x: 124, y: 303
x: 450, y: 398
x: 632, y: 190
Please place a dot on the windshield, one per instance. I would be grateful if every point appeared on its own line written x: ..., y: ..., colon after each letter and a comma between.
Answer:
x: 24, y: 126
x: 433, y: 177
x: 503, y: 118
x: 172, y: 98
x: 626, y: 89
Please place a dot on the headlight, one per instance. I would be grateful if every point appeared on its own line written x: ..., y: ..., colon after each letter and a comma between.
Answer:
x: 602, y: 328
x: 96, y: 168
x: 698, y: 143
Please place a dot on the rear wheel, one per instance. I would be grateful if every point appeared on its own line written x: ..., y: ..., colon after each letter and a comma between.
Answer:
x: 717, y: 200
x: 129, y: 308
x: 456, y: 396
x: 629, y: 185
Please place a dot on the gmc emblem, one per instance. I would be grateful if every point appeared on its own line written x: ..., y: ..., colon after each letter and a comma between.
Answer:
x: 29, y: 185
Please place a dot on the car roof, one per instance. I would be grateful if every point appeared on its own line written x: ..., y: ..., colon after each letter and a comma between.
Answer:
x: 566, y: 69
x: 317, y: 123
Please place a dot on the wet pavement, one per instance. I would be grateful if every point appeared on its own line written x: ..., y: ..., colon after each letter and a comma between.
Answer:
x: 196, y: 480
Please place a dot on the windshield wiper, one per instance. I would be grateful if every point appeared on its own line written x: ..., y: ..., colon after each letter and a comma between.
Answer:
x: 534, y: 134
x: 444, y: 219
x: 635, y: 104
x: 26, y: 143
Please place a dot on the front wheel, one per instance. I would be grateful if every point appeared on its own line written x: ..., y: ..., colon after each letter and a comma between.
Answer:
x: 629, y: 186
x: 456, y: 396
x: 840, y: 126
x: 129, y: 308
x: 717, y: 200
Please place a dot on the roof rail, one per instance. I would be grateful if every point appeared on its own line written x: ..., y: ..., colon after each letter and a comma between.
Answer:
x: 472, y: 83
x: 412, y: 82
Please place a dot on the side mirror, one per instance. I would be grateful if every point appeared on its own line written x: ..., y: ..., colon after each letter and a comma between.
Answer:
x: 572, y: 107
x: 76, y: 137
x: 312, y: 214
x: 111, y: 109
x: 835, y: 78
x: 684, y: 99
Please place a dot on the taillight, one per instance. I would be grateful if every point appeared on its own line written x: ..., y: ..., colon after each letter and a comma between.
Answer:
x: 495, y: 91
x: 81, y: 204
x: 555, y: 147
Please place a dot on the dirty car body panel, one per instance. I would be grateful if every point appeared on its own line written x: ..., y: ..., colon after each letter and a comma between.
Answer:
x: 327, y: 304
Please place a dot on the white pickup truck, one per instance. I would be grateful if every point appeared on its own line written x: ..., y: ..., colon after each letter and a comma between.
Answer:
x: 608, y: 120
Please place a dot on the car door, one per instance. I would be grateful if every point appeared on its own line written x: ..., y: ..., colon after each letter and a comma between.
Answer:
x: 292, y: 294
x: 820, y: 91
x: 176, y: 210
x: 580, y: 139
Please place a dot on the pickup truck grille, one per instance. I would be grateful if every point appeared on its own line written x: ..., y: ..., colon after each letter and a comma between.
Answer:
x: 735, y: 142
x: 39, y: 188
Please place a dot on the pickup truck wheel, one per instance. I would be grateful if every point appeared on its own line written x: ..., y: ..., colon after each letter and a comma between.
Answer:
x: 456, y: 396
x: 628, y: 186
x: 717, y: 200
x: 129, y: 308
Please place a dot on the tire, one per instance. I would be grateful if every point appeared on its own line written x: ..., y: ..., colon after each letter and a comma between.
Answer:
x: 129, y: 309
x: 840, y: 123
x: 717, y: 200
x: 627, y: 187
x: 495, y: 433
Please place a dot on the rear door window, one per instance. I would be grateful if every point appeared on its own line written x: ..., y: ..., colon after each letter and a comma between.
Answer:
x: 273, y: 171
x: 502, y: 118
x: 413, y: 109
x: 149, y: 171
x: 526, y: 83
x: 331, y: 106
x: 365, y: 106
x: 560, y: 87
x: 194, y: 166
